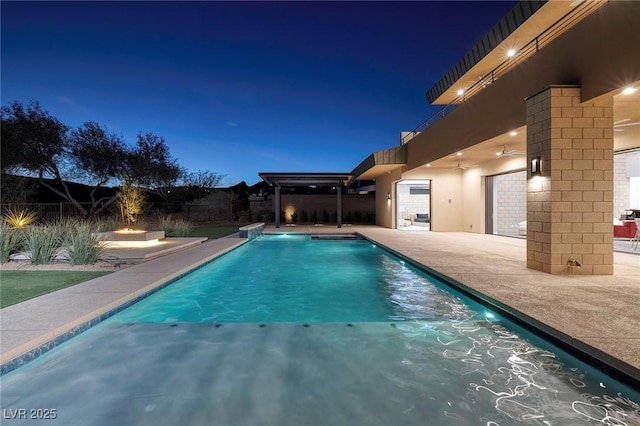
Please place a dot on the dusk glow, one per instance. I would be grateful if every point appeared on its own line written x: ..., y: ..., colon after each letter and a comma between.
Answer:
x: 241, y: 87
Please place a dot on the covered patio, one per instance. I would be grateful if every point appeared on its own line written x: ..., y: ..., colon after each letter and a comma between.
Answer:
x: 278, y: 180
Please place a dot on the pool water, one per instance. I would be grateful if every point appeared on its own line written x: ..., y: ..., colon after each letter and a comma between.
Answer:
x: 296, y: 279
x: 294, y: 331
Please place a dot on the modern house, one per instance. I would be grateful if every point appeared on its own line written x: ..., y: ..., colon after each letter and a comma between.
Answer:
x: 539, y: 134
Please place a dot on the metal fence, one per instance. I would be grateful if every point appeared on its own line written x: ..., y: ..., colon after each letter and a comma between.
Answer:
x: 46, y: 211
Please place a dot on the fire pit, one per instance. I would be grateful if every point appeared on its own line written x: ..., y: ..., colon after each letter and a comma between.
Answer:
x: 132, y: 236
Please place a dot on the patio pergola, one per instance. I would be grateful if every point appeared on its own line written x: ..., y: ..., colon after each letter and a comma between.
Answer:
x: 279, y: 180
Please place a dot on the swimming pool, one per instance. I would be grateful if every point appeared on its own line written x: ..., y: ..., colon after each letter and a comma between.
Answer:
x: 289, y: 330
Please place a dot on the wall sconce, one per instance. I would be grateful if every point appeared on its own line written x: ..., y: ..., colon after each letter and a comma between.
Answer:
x: 388, y: 195
x: 536, y: 166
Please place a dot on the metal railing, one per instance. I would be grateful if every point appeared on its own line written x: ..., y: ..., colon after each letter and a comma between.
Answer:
x: 47, y: 211
x: 543, y: 39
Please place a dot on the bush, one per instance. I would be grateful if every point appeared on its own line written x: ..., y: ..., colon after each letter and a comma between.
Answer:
x: 10, y: 241
x: 175, y: 228
x: 108, y: 224
x: 182, y: 228
x: 164, y: 224
x: 82, y: 243
x: 43, y: 243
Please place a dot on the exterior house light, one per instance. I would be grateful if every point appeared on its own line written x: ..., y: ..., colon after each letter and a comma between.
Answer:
x: 536, y: 166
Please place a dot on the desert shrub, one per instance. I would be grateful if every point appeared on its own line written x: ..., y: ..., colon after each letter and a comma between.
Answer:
x: 175, y: 228
x: 182, y: 228
x: 10, y: 241
x: 110, y: 223
x: 165, y: 224
x: 43, y: 243
x: 82, y: 243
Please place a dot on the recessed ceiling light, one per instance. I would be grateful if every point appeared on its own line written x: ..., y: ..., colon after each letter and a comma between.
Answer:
x: 428, y: 164
x: 459, y: 154
x: 629, y: 90
x: 513, y: 133
x: 498, y: 154
x: 460, y: 92
x: 511, y: 52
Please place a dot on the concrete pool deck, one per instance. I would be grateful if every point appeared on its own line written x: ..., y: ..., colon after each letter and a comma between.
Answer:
x: 601, y: 314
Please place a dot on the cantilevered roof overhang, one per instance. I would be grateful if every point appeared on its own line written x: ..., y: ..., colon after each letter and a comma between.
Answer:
x: 304, y: 179
x: 524, y: 23
x: 380, y: 162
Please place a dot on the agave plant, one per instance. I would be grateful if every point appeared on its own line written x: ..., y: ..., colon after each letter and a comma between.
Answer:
x: 19, y: 218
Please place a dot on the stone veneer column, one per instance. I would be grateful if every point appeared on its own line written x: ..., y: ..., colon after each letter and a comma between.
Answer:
x: 569, y: 207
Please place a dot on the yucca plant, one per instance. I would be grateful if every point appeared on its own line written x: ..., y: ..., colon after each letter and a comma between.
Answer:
x: 10, y: 241
x: 82, y: 244
x: 43, y: 243
x: 19, y: 218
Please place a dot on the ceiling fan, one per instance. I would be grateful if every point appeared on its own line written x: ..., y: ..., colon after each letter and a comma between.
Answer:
x: 618, y: 126
x: 506, y: 153
x: 460, y: 166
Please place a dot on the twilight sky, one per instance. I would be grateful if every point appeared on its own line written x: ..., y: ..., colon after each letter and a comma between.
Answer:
x: 240, y: 88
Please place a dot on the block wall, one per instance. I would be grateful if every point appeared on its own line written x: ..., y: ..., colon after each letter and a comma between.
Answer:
x: 569, y: 207
x: 511, y: 198
x: 411, y: 204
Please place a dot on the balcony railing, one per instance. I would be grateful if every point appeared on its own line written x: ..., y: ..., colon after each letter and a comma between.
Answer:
x: 567, y: 21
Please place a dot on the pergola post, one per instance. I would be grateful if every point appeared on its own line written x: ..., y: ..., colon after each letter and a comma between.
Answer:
x: 339, y: 206
x: 277, y: 206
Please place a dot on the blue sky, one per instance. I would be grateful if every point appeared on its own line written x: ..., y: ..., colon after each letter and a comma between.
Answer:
x: 240, y: 88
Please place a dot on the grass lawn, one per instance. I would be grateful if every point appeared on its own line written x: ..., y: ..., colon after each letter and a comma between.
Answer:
x: 216, y: 231
x: 18, y: 286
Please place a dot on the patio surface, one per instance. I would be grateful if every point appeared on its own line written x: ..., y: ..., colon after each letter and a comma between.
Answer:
x: 600, y: 314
